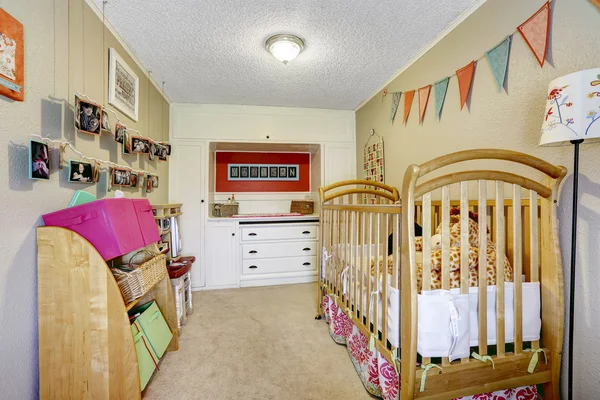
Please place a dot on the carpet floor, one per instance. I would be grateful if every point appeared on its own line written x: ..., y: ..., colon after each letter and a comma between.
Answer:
x: 256, y: 343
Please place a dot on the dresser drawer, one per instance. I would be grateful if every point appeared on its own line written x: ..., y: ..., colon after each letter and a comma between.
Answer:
x: 278, y: 232
x: 272, y: 250
x: 278, y: 265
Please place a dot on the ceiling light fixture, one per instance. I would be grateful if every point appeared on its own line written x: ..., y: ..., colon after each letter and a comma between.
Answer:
x: 284, y: 47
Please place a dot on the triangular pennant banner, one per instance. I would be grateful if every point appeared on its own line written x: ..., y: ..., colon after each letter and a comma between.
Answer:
x: 408, y: 99
x: 465, y: 77
x: 439, y: 89
x: 423, y: 99
x: 395, y: 103
x: 498, y: 60
x: 535, y: 32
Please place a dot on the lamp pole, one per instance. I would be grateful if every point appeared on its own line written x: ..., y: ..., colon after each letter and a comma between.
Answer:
x: 576, y: 143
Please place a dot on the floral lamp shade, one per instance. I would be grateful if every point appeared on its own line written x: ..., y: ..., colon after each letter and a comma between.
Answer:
x: 572, y: 108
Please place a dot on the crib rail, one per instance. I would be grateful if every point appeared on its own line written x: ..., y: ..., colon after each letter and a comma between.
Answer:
x: 516, y: 217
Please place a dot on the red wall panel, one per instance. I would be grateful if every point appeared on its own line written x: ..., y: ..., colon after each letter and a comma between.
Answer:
x: 256, y: 185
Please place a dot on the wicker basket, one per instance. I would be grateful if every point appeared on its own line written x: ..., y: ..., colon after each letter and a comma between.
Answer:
x: 136, y: 280
x: 302, y: 206
x: 225, y: 210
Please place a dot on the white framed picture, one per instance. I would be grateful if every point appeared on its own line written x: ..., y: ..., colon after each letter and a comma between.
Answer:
x: 123, y: 86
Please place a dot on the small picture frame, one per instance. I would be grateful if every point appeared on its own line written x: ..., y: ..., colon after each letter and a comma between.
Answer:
x: 234, y: 171
x: 119, y: 132
x: 162, y: 154
x: 105, y: 127
x: 121, y: 177
x: 140, y: 144
x: 283, y: 172
x: 81, y: 172
x: 264, y: 172
x: 292, y: 172
x: 254, y: 172
x: 39, y: 161
x: 273, y: 172
x: 87, y: 116
x: 168, y: 149
x: 244, y: 172
x: 154, y: 181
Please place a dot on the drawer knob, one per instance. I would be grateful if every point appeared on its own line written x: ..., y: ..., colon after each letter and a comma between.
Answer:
x: 306, y: 233
x: 306, y: 263
x: 306, y: 249
x: 253, y: 252
x: 253, y: 267
x: 252, y: 234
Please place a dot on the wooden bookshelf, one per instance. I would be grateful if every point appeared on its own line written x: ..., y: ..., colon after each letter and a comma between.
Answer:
x: 86, y: 348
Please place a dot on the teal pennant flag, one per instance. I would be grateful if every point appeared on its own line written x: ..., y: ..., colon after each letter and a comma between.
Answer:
x: 497, y: 57
x: 395, y: 103
x: 439, y: 89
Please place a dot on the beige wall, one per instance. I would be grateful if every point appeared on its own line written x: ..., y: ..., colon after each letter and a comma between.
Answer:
x: 509, y: 120
x: 51, y: 57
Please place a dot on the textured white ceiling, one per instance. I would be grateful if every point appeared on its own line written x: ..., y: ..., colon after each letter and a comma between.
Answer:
x: 212, y: 51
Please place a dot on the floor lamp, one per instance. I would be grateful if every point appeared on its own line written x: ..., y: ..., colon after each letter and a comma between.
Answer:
x: 571, y: 116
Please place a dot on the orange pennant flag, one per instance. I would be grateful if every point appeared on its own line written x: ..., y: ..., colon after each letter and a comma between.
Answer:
x: 408, y: 99
x: 535, y: 32
x: 465, y: 77
x: 423, y: 99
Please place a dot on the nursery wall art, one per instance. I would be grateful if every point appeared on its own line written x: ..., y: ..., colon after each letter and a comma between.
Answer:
x: 123, y: 86
x: 12, y: 62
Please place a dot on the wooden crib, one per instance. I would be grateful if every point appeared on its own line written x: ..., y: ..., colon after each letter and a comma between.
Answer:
x: 520, y: 213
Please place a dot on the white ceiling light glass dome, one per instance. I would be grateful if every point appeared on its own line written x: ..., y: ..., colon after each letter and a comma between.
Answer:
x: 284, y: 47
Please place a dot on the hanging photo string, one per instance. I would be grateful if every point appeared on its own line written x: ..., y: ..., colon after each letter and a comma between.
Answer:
x: 63, y: 145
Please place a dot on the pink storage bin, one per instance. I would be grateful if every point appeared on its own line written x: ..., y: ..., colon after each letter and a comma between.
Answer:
x: 110, y: 225
x: 143, y: 211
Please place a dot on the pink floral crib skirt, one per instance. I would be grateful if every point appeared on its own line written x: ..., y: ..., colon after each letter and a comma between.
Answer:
x: 377, y: 375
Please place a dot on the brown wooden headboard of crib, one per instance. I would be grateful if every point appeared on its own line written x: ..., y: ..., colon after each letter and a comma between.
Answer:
x: 512, y: 222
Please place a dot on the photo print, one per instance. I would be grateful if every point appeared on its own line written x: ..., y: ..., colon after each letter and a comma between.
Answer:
x: 148, y: 183
x: 253, y: 172
x: 140, y: 144
x: 273, y: 172
x: 133, y: 180
x: 120, y: 130
x: 140, y: 180
x: 39, y: 162
x: 87, y: 116
x: 264, y: 172
x: 234, y: 171
x: 152, y: 151
x: 81, y: 172
x: 162, y: 156
x: 126, y: 142
x: 292, y: 172
x: 244, y: 172
x: 96, y: 169
x: 105, y: 123
x: 154, y: 181
x: 168, y: 149
x: 121, y: 177
x: 283, y: 172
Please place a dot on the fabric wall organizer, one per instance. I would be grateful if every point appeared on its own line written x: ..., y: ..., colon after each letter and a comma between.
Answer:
x: 374, y: 166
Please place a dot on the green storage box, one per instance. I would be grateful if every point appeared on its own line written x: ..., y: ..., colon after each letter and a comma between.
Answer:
x: 155, y: 327
x: 147, y: 359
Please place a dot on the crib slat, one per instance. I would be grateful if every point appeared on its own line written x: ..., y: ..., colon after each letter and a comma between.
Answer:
x: 369, y: 285
x: 352, y: 270
x: 500, y: 254
x: 362, y: 266
x: 426, y: 253
x: 482, y: 268
x: 396, y: 230
x: 533, y: 245
x: 446, y: 238
x: 517, y: 269
x: 384, y: 283
x: 377, y: 273
x: 464, y: 238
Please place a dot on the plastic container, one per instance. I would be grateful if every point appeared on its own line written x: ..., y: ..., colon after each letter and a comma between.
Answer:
x: 111, y: 225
